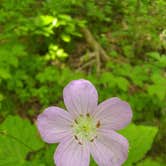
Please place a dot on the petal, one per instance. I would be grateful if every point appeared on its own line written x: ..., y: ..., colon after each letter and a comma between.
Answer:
x: 114, y: 114
x: 54, y: 124
x: 109, y: 148
x: 70, y: 153
x: 80, y: 97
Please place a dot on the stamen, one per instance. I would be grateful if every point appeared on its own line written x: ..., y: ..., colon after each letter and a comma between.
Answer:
x: 88, y: 115
x: 76, y: 121
x: 75, y: 137
x: 80, y: 143
x: 84, y: 128
x: 98, y: 124
x: 92, y: 140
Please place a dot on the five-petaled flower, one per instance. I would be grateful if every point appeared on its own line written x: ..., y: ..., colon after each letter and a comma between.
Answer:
x: 86, y: 128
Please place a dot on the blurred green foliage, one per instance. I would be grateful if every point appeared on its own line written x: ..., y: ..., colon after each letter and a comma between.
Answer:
x: 42, y: 48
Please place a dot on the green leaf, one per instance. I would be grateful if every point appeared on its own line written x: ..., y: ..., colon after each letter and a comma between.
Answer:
x: 47, y: 157
x: 4, y: 74
x: 107, y: 77
x: 33, y: 163
x: 92, y: 162
x: 122, y: 83
x: 18, y: 137
x: 140, y: 140
x: 1, y: 97
x: 44, y: 20
x: 158, y: 88
x: 154, y: 55
x: 66, y: 38
x: 150, y: 162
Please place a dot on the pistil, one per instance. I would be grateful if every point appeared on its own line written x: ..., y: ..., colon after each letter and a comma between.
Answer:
x: 85, y: 128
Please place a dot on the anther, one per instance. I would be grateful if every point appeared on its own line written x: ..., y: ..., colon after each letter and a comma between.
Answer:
x: 88, y: 115
x: 92, y: 140
x: 80, y: 143
x: 76, y: 121
x: 76, y: 137
x: 98, y: 124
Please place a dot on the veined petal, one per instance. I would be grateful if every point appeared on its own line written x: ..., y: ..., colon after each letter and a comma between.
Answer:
x: 54, y: 124
x: 80, y: 97
x: 114, y: 113
x: 109, y: 149
x: 70, y: 153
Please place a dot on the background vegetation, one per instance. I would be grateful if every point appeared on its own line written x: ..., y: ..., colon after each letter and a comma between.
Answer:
x: 120, y: 46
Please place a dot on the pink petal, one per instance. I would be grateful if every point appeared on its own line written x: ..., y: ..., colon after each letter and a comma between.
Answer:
x: 113, y: 113
x: 54, y: 124
x: 70, y: 153
x: 109, y: 149
x: 80, y: 97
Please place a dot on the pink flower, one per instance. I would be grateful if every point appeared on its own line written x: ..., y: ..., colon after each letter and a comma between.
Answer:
x: 86, y: 128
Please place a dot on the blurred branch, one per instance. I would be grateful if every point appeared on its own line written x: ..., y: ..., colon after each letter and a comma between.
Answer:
x: 87, y: 64
x: 100, y: 53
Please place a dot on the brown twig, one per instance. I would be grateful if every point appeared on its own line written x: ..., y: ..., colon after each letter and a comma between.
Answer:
x: 87, y: 64
x: 100, y: 53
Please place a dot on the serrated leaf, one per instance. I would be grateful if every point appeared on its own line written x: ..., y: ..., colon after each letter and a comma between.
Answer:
x: 18, y: 137
x: 140, y: 140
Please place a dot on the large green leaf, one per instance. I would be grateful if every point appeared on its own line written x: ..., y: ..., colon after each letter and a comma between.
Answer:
x: 140, y: 139
x: 18, y: 137
x: 150, y: 162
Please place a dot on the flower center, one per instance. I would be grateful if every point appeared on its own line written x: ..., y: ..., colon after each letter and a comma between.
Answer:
x: 85, y: 128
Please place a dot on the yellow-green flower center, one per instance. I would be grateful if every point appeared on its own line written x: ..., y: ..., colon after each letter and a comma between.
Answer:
x: 85, y: 128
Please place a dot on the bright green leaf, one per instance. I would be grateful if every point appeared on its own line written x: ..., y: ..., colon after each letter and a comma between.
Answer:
x: 140, y: 140
x: 18, y: 137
